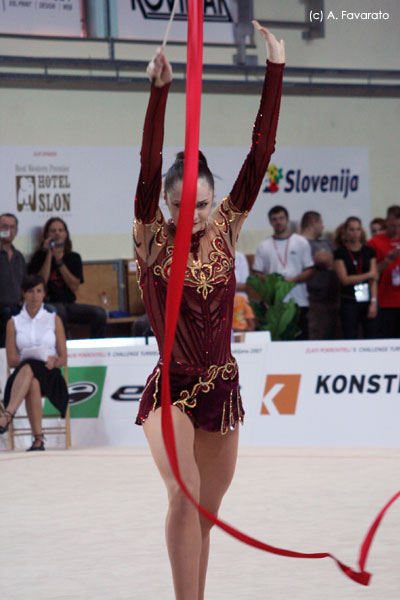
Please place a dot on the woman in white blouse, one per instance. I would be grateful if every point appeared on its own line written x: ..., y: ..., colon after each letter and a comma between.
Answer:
x: 36, y: 348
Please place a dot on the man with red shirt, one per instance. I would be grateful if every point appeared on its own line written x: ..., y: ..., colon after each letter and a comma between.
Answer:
x: 387, y: 248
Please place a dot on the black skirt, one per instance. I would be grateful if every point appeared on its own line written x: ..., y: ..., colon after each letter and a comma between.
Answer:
x: 52, y: 384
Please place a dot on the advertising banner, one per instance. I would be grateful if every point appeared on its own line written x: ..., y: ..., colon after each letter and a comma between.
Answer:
x: 332, y: 181
x: 52, y: 17
x: 294, y: 393
x: 309, y: 394
x: 338, y: 393
x: 147, y: 20
x: 72, y: 182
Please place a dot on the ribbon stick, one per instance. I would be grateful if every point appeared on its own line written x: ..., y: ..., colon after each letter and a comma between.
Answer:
x: 166, y: 35
x: 174, y: 295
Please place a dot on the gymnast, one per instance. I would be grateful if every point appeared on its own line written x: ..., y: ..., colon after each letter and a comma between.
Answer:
x: 206, y: 404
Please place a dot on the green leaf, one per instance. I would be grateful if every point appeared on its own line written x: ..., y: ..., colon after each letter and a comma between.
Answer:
x: 274, y: 315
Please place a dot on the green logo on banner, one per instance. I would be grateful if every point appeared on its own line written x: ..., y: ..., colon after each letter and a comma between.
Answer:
x: 85, y: 390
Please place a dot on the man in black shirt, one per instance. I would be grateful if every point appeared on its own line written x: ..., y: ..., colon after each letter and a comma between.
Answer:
x: 12, y: 271
x: 61, y: 268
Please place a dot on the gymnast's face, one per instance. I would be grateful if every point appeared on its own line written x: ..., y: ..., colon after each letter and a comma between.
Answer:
x: 204, y: 200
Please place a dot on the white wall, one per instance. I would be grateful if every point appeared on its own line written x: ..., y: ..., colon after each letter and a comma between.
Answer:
x: 57, y: 118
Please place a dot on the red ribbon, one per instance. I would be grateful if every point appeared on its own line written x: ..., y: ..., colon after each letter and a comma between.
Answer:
x: 174, y: 295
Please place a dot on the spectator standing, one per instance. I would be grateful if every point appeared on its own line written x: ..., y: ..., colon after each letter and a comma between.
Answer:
x: 376, y: 226
x: 242, y: 272
x: 12, y: 271
x: 323, y: 287
x: 387, y: 248
x: 290, y: 255
x: 61, y: 269
x: 355, y: 265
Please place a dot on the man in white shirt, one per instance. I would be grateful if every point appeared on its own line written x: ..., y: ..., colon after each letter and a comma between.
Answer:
x: 242, y: 272
x: 290, y: 255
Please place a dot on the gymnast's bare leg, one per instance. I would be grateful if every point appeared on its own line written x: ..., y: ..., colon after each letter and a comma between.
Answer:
x: 216, y: 456
x: 207, y: 463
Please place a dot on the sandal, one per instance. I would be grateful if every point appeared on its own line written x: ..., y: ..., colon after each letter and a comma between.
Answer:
x: 9, y: 417
x: 37, y: 438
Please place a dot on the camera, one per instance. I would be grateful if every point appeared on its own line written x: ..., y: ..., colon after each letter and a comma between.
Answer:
x: 54, y: 244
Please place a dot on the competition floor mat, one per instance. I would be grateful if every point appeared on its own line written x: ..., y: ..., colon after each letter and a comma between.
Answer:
x: 89, y: 524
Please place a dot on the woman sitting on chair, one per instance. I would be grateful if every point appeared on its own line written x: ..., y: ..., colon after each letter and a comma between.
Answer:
x: 36, y: 348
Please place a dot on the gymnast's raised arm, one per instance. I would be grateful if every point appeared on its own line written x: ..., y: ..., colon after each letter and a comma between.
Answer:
x: 149, y: 185
x: 247, y: 185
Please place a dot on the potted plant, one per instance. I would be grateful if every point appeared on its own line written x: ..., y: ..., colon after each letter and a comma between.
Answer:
x: 274, y: 315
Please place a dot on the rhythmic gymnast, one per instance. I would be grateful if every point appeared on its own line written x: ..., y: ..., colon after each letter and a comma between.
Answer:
x: 205, y: 397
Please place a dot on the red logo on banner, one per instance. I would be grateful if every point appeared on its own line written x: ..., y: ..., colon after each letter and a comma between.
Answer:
x: 280, y: 394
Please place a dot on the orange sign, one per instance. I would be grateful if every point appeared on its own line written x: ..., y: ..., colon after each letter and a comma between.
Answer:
x: 280, y: 394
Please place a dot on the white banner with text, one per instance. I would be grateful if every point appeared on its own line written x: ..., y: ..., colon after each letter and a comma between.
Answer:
x: 339, y: 393
x: 52, y: 17
x: 93, y: 188
x: 145, y: 20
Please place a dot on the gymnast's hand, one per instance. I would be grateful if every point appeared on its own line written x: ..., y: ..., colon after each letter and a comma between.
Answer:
x: 159, y: 70
x: 275, y: 49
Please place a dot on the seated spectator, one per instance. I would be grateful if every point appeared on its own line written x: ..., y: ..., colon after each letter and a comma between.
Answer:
x: 243, y: 315
x: 242, y: 272
x: 323, y: 288
x: 142, y: 327
x: 61, y: 269
x: 377, y: 225
x: 290, y: 255
x: 355, y: 265
x: 36, y: 348
x: 12, y: 271
x: 387, y: 248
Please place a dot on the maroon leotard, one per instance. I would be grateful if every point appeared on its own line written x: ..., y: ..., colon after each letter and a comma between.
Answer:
x: 204, y: 374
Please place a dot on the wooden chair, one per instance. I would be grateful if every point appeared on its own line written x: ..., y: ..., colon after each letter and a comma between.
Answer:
x: 63, y: 427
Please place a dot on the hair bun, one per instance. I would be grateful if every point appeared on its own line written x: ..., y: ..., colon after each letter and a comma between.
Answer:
x: 180, y: 157
x: 176, y: 170
x: 202, y: 159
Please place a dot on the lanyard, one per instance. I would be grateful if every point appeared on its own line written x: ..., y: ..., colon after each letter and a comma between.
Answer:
x: 358, y: 265
x: 285, y: 259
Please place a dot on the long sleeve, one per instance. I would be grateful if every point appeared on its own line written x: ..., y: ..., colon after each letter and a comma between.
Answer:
x: 247, y: 185
x: 149, y: 184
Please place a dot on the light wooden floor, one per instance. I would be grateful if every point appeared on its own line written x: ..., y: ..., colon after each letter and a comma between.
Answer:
x: 88, y: 525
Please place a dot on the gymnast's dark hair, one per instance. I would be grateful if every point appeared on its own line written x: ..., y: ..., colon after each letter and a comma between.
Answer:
x: 175, y: 172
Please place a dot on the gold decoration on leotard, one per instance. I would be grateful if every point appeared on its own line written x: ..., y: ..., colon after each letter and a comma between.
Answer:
x: 188, y: 399
x: 156, y: 376
x: 139, y: 271
x: 228, y: 215
x: 158, y: 228
x: 228, y: 371
x: 232, y: 423
x: 204, y: 276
